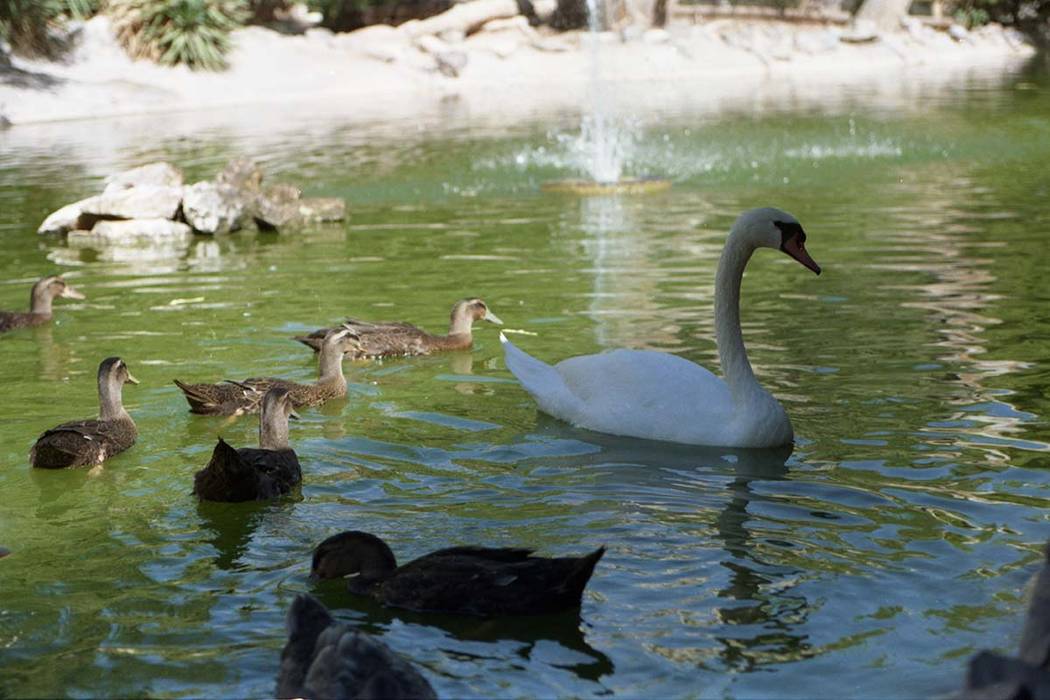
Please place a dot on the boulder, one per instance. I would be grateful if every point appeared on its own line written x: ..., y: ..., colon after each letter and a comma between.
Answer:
x: 958, y: 32
x: 65, y: 219
x: 133, y: 232
x: 158, y: 174
x: 211, y: 208
x: 141, y: 202
x: 449, y: 61
x: 321, y: 209
x: 817, y: 41
x: 466, y: 17
x: 276, y: 207
x: 242, y: 174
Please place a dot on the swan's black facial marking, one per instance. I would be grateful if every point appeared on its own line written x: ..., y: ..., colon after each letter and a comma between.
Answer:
x: 789, y: 230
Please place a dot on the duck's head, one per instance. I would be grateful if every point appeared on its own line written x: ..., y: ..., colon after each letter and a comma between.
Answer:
x: 769, y: 227
x: 278, y: 402
x: 351, y: 554
x: 466, y: 311
x: 49, y: 288
x: 113, y: 372
x: 339, y: 338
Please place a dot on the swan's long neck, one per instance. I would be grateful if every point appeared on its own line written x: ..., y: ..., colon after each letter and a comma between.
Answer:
x: 731, y: 352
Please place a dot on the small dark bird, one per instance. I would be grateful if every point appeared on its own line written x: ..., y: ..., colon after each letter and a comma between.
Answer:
x: 44, y: 292
x: 231, y: 398
x: 251, y: 474
x: 396, y: 339
x: 467, y: 580
x: 90, y: 442
x: 993, y: 676
x: 326, y: 660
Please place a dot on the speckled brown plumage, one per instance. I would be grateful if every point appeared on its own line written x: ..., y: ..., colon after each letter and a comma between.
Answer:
x: 40, y: 299
x: 396, y: 339
x: 480, y: 581
x: 230, y: 398
x: 90, y: 442
x: 324, y: 659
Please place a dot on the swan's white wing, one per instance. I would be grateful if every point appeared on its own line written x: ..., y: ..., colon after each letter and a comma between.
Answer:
x: 646, y: 394
x: 629, y: 392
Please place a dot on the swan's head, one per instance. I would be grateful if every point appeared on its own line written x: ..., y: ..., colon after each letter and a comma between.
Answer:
x: 773, y: 228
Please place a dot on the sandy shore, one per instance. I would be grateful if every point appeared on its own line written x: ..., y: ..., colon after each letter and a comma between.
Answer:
x: 506, y: 63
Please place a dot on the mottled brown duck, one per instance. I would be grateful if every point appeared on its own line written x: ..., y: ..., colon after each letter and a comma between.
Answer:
x: 230, y: 398
x: 481, y: 581
x: 44, y: 293
x: 90, y: 442
x: 393, y: 339
x: 254, y: 474
x: 325, y: 659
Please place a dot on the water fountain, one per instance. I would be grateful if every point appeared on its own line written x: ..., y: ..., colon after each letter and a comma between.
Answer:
x: 604, y: 144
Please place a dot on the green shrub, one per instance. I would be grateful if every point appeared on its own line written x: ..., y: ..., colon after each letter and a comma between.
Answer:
x: 27, y: 24
x: 191, y: 32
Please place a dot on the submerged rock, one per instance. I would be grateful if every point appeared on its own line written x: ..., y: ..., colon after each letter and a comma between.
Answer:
x: 131, y: 232
x: 321, y: 209
x: 277, y: 206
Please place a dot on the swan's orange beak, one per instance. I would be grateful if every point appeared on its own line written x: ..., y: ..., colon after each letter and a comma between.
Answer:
x: 797, y: 249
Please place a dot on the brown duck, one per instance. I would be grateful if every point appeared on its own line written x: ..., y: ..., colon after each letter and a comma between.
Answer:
x: 479, y: 581
x: 44, y: 292
x: 392, y: 339
x: 90, y: 442
x: 230, y: 398
x: 327, y: 659
x: 250, y: 474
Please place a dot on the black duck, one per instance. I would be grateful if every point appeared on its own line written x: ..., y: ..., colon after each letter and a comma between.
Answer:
x: 230, y: 398
x: 250, y: 474
x: 469, y: 580
x: 90, y: 442
x: 44, y: 292
x: 993, y: 676
x: 394, y: 339
x: 326, y: 660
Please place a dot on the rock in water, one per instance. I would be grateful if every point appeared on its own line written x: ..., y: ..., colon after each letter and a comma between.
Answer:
x: 144, y: 202
x: 132, y: 232
x: 65, y: 219
x: 321, y: 209
x: 158, y: 174
x: 277, y: 207
x: 214, y: 208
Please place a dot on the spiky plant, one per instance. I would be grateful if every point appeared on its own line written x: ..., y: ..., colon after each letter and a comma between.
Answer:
x: 171, y: 32
x: 28, y: 24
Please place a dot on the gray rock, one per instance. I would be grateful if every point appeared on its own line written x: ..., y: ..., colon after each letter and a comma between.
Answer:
x: 321, y: 209
x: 131, y: 232
x: 212, y: 208
x: 817, y: 41
x: 65, y: 219
x: 158, y: 174
x: 141, y: 202
x: 958, y: 32
x: 242, y: 174
x: 277, y: 207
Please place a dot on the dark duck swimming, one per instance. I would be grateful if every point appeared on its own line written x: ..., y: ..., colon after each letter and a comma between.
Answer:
x: 482, y: 581
x: 254, y: 474
x: 326, y: 660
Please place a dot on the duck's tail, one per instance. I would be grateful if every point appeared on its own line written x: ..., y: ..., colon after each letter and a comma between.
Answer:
x: 541, y: 380
x: 581, y: 573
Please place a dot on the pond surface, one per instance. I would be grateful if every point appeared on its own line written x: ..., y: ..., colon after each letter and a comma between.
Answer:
x: 895, y: 541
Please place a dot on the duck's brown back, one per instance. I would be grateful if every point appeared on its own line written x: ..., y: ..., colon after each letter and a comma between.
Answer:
x: 82, y: 443
x: 10, y: 320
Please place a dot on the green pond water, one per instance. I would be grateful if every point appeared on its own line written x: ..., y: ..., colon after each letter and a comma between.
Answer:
x: 893, y: 542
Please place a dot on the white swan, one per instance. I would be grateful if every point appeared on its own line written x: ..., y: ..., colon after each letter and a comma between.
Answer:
x: 658, y: 396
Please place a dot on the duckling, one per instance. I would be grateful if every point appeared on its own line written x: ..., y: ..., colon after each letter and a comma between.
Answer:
x: 251, y: 474
x: 325, y: 659
x: 995, y: 676
x: 91, y: 442
x: 478, y: 581
x: 402, y: 339
x: 232, y: 398
x: 44, y: 292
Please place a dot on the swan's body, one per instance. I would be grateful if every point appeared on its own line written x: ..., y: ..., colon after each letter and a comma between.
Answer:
x: 658, y: 396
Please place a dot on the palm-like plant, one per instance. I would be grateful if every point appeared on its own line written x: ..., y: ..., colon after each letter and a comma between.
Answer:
x: 191, y: 32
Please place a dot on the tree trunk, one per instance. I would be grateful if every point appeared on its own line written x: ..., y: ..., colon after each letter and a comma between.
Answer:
x: 884, y: 14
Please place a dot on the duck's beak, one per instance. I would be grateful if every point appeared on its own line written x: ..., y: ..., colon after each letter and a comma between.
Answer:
x: 71, y: 293
x: 293, y: 415
x: 132, y: 379
x: 491, y: 317
x: 796, y: 249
